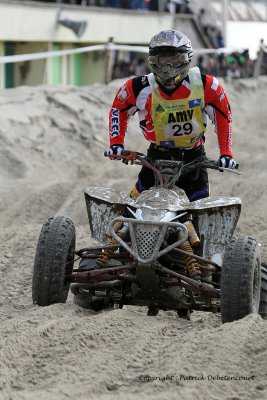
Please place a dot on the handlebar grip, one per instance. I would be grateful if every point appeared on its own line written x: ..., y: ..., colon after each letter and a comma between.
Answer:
x: 124, y: 153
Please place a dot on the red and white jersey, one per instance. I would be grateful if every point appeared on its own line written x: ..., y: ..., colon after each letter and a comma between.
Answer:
x: 136, y: 96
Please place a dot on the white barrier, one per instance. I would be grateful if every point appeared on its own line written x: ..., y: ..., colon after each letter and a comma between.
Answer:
x: 108, y: 46
x: 49, y: 54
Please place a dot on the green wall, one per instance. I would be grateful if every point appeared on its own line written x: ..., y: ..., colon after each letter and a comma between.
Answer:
x: 9, y: 49
x: 56, y: 65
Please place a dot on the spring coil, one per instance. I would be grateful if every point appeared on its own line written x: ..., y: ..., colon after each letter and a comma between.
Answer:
x: 190, y: 262
x: 107, y: 254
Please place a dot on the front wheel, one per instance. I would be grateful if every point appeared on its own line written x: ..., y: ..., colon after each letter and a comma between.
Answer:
x: 263, y: 298
x: 240, y: 279
x: 54, y: 260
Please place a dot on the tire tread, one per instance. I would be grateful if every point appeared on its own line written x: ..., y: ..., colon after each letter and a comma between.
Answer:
x: 242, y: 255
x: 56, y: 241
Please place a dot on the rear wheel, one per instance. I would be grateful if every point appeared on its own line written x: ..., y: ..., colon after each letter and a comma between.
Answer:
x: 53, y: 261
x: 240, y: 279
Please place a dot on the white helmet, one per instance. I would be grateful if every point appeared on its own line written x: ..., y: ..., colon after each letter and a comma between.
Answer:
x: 170, y: 54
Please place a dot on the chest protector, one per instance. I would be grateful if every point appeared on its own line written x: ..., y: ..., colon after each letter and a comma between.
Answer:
x: 179, y: 123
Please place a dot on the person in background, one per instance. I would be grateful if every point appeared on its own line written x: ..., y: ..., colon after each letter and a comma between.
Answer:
x: 173, y: 103
x: 138, y: 4
x: 140, y: 67
x: 233, y: 71
x: 179, y: 7
x: 114, y: 3
x: 204, y: 18
x: 220, y: 39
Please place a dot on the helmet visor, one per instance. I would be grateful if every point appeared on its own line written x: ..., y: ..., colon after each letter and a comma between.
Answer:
x: 173, y: 60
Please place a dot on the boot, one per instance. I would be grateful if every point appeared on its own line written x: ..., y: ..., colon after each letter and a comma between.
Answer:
x: 134, y: 194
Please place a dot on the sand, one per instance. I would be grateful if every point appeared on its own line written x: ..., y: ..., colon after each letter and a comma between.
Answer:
x: 52, y: 143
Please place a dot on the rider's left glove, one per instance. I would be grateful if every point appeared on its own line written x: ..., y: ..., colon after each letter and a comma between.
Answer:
x: 227, y: 162
x: 115, y: 149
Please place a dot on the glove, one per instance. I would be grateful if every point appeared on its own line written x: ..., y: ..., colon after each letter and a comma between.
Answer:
x: 115, y: 149
x: 227, y: 162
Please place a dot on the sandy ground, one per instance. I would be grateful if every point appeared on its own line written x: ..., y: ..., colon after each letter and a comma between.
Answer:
x: 52, y: 141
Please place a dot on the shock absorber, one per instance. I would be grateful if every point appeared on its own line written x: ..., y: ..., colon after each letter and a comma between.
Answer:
x: 106, y: 255
x: 192, y: 234
x: 190, y: 262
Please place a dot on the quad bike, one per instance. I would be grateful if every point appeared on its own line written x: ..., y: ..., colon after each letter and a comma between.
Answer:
x: 149, y: 249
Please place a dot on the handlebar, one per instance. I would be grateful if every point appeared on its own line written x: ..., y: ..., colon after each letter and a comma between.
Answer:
x: 126, y: 155
x: 204, y: 162
x: 134, y: 157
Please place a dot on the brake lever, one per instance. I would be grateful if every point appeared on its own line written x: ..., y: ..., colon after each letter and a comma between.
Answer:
x: 235, y: 171
x: 126, y: 156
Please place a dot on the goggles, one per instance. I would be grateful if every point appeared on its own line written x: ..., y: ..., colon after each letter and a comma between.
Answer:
x: 174, y: 60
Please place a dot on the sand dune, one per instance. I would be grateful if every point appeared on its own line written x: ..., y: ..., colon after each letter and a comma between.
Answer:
x: 52, y: 144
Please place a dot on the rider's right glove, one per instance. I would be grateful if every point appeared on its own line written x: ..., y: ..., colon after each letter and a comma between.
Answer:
x: 227, y: 162
x: 115, y: 149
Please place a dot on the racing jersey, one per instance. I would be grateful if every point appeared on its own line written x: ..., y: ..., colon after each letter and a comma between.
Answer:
x: 183, y: 121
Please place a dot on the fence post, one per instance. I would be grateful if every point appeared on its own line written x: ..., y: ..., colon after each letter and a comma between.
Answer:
x: 108, y: 61
x: 258, y: 62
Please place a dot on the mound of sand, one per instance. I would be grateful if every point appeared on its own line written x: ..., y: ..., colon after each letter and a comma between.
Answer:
x: 52, y: 143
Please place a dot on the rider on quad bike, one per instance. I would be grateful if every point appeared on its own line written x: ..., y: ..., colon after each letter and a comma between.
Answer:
x: 173, y: 102
x: 170, y: 246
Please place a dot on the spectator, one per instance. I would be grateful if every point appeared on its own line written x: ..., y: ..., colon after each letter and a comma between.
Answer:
x: 178, y: 6
x: 212, y: 65
x: 212, y: 35
x: 233, y: 71
x: 140, y: 67
x: 66, y: 1
x: 138, y: 4
x: 204, y: 20
x: 219, y: 39
x: 114, y: 3
x: 262, y: 59
x: 201, y: 64
x: 222, y: 65
x: 210, y: 29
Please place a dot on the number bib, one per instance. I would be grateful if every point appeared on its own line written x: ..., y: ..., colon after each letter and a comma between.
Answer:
x: 179, y: 123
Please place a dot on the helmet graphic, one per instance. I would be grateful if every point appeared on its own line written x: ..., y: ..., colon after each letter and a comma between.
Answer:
x: 170, y: 54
